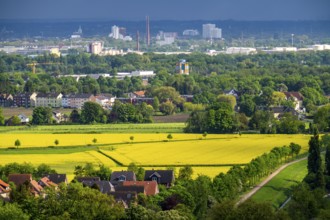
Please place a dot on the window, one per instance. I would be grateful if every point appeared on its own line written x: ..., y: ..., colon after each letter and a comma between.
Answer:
x: 154, y: 178
x: 122, y: 178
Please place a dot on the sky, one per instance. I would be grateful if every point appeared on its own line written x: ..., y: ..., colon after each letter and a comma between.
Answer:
x: 166, y: 9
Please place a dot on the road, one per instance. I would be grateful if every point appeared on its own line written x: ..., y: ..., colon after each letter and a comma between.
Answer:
x: 259, y: 186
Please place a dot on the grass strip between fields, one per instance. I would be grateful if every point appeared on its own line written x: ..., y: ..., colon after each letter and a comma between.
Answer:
x: 277, y: 190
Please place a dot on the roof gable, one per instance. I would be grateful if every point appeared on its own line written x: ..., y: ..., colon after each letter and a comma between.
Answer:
x: 57, y: 178
x: 164, y: 176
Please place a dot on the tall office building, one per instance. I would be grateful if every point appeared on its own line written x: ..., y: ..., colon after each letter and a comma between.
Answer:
x: 115, y: 32
x: 210, y: 31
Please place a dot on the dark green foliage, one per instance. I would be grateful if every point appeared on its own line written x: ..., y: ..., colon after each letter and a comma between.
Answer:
x: 75, y: 116
x: 185, y: 173
x: 327, y: 160
x: 12, y: 212
x: 314, y: 156
x: 17, y: 143
x: 2, y: 118
x: 218, y: 119
x: 289, y: 124
x: 91, y: 113
x: 322, y: 118
x: 41, y: 115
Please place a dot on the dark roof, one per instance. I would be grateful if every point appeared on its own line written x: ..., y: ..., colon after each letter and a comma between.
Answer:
x: 165, y: 176
x: 105, y: 186
x: 150, y: 187
x: 115, y: 176
x: 81, y: 96
x: 127, y: 196
x: 27, y: 94
x: 19, y: 179
x: 57, y: 178
x: 283, y: 109
x: 88, y: 178
x: 131, y: 188
x: 48, y: 95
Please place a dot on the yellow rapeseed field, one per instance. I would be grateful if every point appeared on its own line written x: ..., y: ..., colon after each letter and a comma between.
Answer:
x: 228, y: 149
x: 45, y: 140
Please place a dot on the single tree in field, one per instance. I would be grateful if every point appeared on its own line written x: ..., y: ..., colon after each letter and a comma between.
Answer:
x: 17, y: 143
x: 204, y: 135
x: 131, y: 138
x: 94, y: 140
x: 56, y: 142
x: 169, y: 137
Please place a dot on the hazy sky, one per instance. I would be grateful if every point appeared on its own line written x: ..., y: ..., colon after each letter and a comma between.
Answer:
x: 166, y: 9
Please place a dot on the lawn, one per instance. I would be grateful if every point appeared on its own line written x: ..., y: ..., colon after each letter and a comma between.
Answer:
x: 278, y: 189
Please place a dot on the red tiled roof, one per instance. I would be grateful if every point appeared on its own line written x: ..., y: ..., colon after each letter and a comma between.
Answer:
x: 2, y: 183
x: 36, y: 186
x: 150, y: 187
x: 140, y: 93
x: 47, y: 182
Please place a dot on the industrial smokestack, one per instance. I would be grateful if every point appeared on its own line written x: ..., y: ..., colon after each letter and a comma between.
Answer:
x: 148, y: 31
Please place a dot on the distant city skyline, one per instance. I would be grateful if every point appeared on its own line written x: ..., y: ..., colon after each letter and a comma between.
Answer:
x: 165, y: 10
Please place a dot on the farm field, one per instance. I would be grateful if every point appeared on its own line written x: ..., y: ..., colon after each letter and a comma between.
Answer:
x: 45, y: 140
x: 278, y: 189
x: 225, y: 150
x: 210, y: 156
x: 96, y: 129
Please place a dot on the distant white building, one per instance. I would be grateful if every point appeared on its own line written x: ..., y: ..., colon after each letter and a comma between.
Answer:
x: 115, y: 34
x: 166, y: 38
x: 241, y: 50
x: 190, y: 32
x: 142, y: 73
x: 210, y: 31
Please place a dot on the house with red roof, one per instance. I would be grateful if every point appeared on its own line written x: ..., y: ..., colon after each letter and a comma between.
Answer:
x: 150, y: 187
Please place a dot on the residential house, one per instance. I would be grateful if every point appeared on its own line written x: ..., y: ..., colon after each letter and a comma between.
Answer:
x: 136, y: 94
x: 59, y: 117
x: 233, y: 92
x: 26, y: 100
x: 19, y: 179
x: 120, y: 176
x: 105, y: 100
x: 53, y: 100
x: 57, y: 178
x: 104, y: 186
x: 24, y: 119
x: 296, y: 98
x: 4, y: 190
x: 35, y: 188
x: 45, y: 182
x: 124, y: 197
x: 163, y: 177
x: 150, y: 187
x: 6, y: 100
x: 88, y: 178
x: 78, y: 100
x: 279, y: 111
